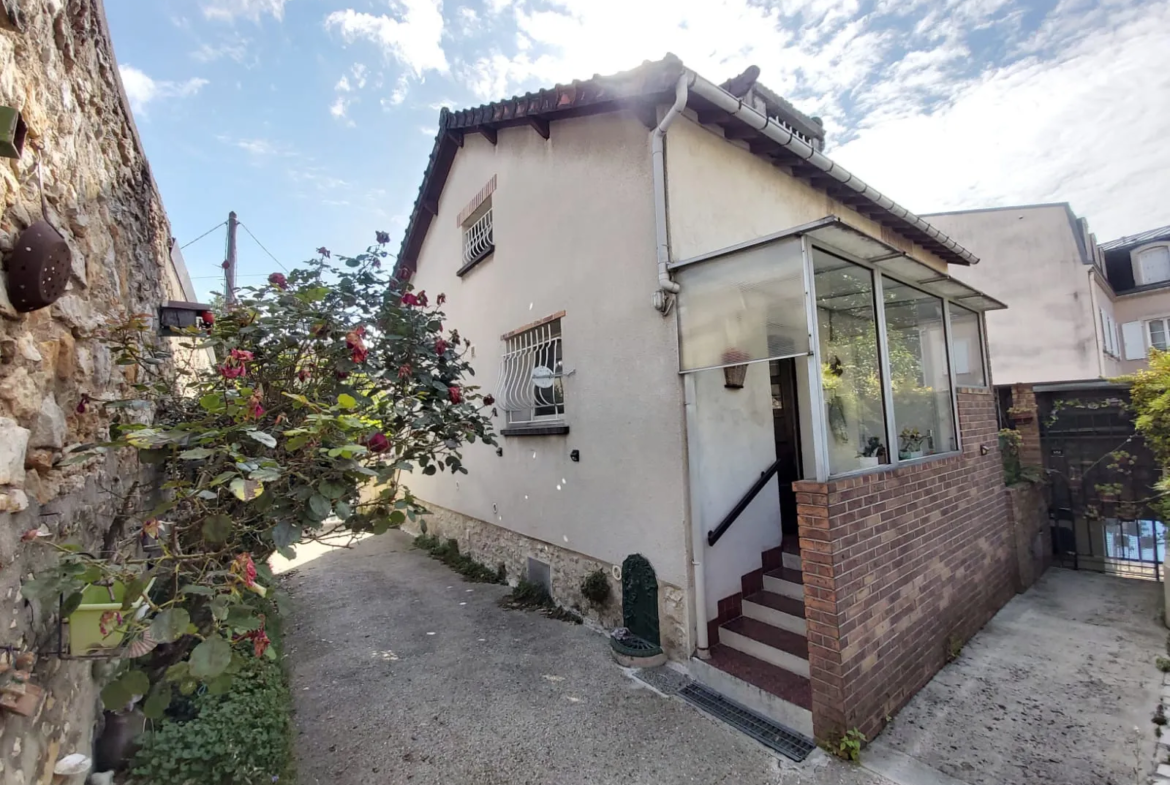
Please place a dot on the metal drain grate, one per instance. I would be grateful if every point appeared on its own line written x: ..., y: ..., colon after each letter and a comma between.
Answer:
x: 787, y: 742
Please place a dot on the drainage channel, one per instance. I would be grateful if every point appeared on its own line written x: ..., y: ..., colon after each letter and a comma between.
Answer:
x: 775, y: 737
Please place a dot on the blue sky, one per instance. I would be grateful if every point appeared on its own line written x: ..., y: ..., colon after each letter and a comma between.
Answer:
x: 313, y: 119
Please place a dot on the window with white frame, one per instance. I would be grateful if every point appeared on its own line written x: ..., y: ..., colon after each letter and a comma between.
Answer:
x: 478, y: 238
x: 1151, y: 264
x: 1158, y: 331
x: 531, y: 389
x: 1109, y: 340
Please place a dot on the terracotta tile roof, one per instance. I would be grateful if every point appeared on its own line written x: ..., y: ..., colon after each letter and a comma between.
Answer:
x: 641, y: 90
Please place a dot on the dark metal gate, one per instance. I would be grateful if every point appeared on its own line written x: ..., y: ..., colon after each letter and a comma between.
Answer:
x: 1101, y: 482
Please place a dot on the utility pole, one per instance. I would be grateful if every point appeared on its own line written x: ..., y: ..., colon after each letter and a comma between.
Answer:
x: 229, y: 264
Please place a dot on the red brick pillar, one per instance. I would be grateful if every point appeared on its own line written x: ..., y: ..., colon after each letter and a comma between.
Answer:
x: 1026, y: 420
x: 820, y: 609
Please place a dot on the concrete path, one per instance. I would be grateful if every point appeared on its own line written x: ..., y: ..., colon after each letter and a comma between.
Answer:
x: 403, y: 673
x: 1059, y: 687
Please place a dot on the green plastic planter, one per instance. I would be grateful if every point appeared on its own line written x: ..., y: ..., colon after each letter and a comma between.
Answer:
x: 85, y: 634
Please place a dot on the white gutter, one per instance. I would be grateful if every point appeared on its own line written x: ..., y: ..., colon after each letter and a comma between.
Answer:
x: 666, y: 286
x: 803, y: 150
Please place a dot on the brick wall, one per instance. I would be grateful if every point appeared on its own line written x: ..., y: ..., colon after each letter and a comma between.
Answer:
x: 899, y: 565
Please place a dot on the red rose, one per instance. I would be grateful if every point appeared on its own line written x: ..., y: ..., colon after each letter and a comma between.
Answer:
x: 278, y: 280
x: 488, y: 400
x: 455, y: 394
x: 382, y: 237
x: 409, y: 300
x: 83, y: 403
x: 341, y: 374
x: 404, y: 371
x: 244, y: 567
x: 422, y: 298
x: 378, y: 443
x: 440, y: 347
x: 323, y: 251
x: 208, y: 318
x: 357, y: 346
x: 442, y: 298
x: 259, y: 642
x: 303, y: 374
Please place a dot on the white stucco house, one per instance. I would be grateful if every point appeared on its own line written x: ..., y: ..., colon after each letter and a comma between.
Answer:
x: 704, y: 337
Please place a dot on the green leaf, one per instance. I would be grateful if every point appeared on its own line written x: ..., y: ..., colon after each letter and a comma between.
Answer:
x: 217, y: 528
x: 71, y: 604
x: 196, y: 454
x: 264, y: 438
x: 246, y: 490
x: 210, y: 658
x: 297, y: 442
x: 320, y: 507
x: 285, y: 534
x: 178, y: 671
x: 342, y: 509
x: 212, y: 402
x: 240, y: 618
x: 334, y: 490
x: 220, y: 685
x: 188, y: 686
x: 170, y: 625
x: 156, y: 705
x: 115, y: 696
x: 397, y: 517
x: 265, y: 474
x: 135, y: 682
x: 192, y: 588
x: 134, y: 591
x: 346, y: 401
x: 219, y: 607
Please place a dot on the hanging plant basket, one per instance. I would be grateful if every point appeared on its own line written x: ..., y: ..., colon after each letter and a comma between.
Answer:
x: 85, y: 633
x: 734, y: 375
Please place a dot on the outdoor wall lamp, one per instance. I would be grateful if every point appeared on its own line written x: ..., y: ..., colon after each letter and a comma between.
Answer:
x: 175, y: 316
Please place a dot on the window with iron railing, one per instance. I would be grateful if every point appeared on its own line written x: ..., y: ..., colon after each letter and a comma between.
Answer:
x: 531, y: 389
x: 478, y: 238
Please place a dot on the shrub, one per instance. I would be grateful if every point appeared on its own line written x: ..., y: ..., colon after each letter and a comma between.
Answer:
x: 595, y: 588
x: 448, y: 552
x: 241, y: 737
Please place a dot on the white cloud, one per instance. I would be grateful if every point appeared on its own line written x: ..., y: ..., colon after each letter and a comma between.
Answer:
x: 414, y: 39
x: 340, y: 107
x: 228, y: 10
x: 942, y: 104
x: 235, y: 48
x: 141, y: 89
x: 1087, y: 126
x: 260, y: 148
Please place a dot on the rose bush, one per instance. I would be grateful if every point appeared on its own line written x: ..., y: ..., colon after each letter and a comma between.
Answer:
x: 327, y: 384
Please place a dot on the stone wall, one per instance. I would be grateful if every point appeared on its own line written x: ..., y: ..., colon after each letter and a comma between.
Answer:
x: 494, y: 545
x: 900, y: 567
x: 57, y: 68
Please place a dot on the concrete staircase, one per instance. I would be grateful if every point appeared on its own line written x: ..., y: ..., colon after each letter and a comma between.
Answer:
x: 761, y: 658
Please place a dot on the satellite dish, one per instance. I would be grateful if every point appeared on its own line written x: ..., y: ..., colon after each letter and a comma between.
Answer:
x: 542, y: 376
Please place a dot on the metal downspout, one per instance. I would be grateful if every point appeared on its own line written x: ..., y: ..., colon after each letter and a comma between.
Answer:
x: 666, y: 287
x: 698, y: 541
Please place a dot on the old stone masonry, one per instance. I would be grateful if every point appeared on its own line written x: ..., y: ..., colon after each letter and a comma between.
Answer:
x: 57, y: 70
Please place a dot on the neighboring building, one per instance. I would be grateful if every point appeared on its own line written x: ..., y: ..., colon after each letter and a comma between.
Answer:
x: 1042, y: 261
x: 1138, y: 268
x: 57, y: 68
x: 1078, y: 311
x: 684, y: 301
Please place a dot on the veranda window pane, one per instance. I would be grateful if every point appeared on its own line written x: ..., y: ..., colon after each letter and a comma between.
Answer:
x: 967, y: 349
x: 923, y: 415
x: 748, y: 305
x: 850, y: 367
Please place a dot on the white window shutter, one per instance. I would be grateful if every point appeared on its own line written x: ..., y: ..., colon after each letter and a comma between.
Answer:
x: 1134, y: 339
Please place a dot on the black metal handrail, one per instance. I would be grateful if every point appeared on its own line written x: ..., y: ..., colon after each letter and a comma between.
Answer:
x: 714, y: 535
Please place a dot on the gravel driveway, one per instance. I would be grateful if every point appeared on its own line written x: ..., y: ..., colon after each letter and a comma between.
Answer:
x: 403, y: 673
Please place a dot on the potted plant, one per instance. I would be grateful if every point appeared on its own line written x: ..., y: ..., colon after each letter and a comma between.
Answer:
x: 733, y: 375
x: 872, y: 453
x: 912, y: 440
x: 1020, y: 415
x: 100, y: 623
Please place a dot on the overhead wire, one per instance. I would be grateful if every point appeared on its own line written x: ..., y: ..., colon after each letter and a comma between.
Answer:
x: 249, y: 231
x: 200, y: 237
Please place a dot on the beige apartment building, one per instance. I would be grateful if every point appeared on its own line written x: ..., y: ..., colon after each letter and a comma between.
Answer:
x: 1077, y: 310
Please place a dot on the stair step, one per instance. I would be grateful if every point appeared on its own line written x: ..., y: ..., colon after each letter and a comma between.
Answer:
x: 773, y: 645
x: 778, y: 694
x: 787, y: 613
x: 785, y: 581
x: 792, y: 561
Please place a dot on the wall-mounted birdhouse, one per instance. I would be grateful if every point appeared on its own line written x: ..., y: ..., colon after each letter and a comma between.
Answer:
x: 175, y: 316
x: 12, y: 132
x: 38, y: 270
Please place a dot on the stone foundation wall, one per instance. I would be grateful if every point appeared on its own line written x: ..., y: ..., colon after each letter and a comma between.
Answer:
x: 493, y: 545
x: 57, y: 68
x: 901, y: 566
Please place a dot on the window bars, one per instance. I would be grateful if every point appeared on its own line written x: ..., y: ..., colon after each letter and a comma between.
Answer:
x: 478, y: 240
x: 531, y: 374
